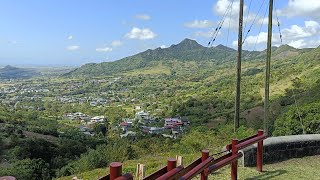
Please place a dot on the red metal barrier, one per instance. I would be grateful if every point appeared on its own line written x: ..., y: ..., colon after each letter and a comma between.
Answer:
x: 172, y: 163
x: 223, y: 162
x: 157, y: 174
x: 127, y: 176
x: 116, y: 173
x: 204, y: 165
x: 234, y: 164
x: 204, y: 156
x: 229, y: 146
x: 198, y: 169
x: 115, y: 170
x: 171, y: 174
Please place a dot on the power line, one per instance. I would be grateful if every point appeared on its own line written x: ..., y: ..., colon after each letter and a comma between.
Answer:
x: 278, y: 23
x: 216, y: 32
x: 228, y: 31
x: 217, y: 29
x: 253, y: 22
x: 245, y: 22
x: 264, y: 16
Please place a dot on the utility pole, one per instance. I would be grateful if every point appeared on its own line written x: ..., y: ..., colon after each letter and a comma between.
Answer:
x: 267, y: 79
x: 237, y: 102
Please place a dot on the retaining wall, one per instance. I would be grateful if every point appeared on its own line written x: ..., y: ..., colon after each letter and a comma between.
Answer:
x: 276, y: 149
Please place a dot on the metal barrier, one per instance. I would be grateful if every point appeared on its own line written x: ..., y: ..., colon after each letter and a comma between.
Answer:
x: 203, y: 166
x: 116, y: 173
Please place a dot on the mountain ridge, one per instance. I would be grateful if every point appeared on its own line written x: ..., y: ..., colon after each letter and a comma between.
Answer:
x: 187, y: 50
x: 11, y: 72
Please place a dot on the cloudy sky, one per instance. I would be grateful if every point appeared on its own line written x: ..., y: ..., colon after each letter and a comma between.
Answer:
x: 74, y: 32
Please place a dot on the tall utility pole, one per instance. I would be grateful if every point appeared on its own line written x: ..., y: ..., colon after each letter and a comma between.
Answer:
x: 267, y: 79
x: 237, y: 102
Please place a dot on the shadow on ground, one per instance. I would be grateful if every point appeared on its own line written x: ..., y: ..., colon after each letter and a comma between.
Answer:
x: 268, y: 174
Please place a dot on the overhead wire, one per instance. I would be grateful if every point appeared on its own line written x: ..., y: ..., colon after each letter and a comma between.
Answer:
x: 278, y: 23
x: 245, y: 37
x: 264, y: 16
x: 228, y: 31
x: 246, y: 20
x: 217, y: 29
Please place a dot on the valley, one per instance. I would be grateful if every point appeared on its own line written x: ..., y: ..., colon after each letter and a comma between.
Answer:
x: 77, y: 117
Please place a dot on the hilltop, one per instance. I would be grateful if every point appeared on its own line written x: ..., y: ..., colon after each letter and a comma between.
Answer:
x: 184, y: 52
x: 10, y: 72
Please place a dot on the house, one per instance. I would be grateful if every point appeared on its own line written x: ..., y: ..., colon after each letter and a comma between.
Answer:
x: 137, y: 107
x: 77, y: 116
x: 86, y: 130
x: 125, y: 125
x: 143, y: 115
x: 97, y: 119
x: 128, y: 133
x: 152, y: 130
x: 172, y: 122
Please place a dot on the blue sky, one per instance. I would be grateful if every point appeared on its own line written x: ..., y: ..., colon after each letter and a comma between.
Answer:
x: 74, y: 32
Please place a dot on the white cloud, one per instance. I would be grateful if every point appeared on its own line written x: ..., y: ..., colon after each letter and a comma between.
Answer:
x: 298, y: 44
x: 141, y: 34
x: 295, y: 32
x: 222, y: 5
x: 105, y: 49
x: 309, y: 8
x: 70, y: 37
x: 296, y: 36
x: 232, y: 17
x: 163, y: 46
x: 260, y: 38
x: 73, y: 48
x: 116, y: 43
x: 199, y: 24
x: 143, y: 17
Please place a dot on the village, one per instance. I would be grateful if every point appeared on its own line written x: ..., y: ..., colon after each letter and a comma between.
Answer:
x: 143, y: 123
x: 31, y: 95
x: 73, y: 91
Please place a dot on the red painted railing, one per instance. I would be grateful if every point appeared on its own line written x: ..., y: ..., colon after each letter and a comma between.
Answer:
x: 204, y: 165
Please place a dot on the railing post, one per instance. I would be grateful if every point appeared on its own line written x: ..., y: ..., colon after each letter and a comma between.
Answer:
x: 115, y: 170
x: 172, y: 163
x: 140, y: 171
x: 179, y: 160
x: 204, y: 156
x: 260, y: 152
x: 234, y: 165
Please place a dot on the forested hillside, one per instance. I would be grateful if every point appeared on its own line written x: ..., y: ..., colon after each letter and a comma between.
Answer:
x: 186, y: 80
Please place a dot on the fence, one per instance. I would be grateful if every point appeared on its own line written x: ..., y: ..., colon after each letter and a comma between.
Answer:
x: 204, y: 165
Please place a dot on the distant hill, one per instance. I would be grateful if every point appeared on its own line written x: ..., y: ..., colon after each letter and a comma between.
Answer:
x: 186, y: 51
x: 10, y: 72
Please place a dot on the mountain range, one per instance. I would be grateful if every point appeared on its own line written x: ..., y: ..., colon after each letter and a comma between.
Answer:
x: 186, y: 51
x: 10, y: 72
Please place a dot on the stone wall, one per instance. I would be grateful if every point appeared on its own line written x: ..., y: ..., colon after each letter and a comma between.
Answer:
x: 282, y: 148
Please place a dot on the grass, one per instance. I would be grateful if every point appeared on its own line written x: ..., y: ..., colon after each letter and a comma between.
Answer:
x: 72, y: 123
x: 160, y: 69
x: 299, y: 168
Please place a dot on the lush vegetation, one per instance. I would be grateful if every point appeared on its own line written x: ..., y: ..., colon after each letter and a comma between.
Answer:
x: 38, y: 142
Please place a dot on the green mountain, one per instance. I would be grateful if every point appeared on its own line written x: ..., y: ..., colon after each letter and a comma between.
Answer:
x: 10, y: 72
x: 186, y: 51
